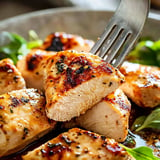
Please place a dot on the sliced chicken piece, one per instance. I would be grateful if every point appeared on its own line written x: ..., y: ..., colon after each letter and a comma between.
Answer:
x: 22, y: 119
x: 75, y: 81
x: 60, y: 41
x: 30, y: 67
x: 142, y: 84
x: 107, y: 117
x: 77, y: 144
x: 10, y: 77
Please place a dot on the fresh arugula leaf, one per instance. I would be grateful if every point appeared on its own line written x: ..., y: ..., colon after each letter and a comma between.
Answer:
x: 141, y: 153
x: 146, y: 52
x: 14, y: 46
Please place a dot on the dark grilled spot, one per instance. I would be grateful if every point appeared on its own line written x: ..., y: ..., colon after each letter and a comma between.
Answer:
x: 15, y: 102
x: 66, y: 139
x: 33, y: 61
x: 7, y: 68
x: 15, y: 78
x: 56, y: 45
x: 103, y: 137
x: 24, y: 100
x: 80, y: 70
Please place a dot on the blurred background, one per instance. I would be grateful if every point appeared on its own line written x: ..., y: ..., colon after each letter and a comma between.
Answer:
x: 10, y: 8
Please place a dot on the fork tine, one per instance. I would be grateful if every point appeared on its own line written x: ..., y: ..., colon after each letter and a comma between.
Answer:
x: 121, y: 39
x: 122, y: 31
x: 109, y: 41
x: 108, y: 30
x: 127, y: 47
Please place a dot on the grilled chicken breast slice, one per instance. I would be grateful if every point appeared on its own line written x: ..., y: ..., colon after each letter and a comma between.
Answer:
x: 22, y: 119
x: 75, y: 81
x: 142, y: 84
x: 10, y: 77
x: 77, y: 144
x: 60, y: 41
x: 107, y: 117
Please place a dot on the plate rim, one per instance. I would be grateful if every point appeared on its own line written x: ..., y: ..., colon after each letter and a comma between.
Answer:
x: 152, y: 15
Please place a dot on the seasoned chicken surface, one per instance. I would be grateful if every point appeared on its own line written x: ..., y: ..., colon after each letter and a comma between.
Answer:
x: 110, y: 117
x: 75, y: 81
x: 142, y: 84
x: 60, y: 41
x: 31, y: 68
x: 10, y: 77
x: 77, y: 144
x: 22, y: 119
x: 67, y: 76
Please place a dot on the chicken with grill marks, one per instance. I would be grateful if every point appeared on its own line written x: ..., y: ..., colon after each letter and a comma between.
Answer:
x: 77, y: 144
x: 75, y: 81
x: 22, y: 119
x: 10, y: 77
x: 142, y: 84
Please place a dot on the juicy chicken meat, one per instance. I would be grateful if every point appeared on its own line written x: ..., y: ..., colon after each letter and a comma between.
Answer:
x: 22, y: 119
x: 10, y: 77
x: 77, y: 144
x: 60, y: 41
x: 74, y: 82
x: 142, y: 84
x: 107, y: 117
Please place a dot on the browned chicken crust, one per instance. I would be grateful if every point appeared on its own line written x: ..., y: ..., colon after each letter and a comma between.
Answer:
x: 31, y: 70
x: 142, y: 84
x: 69, y: 76
x: 77, y: 144
x: 22, y: 119
x: 74, y: 82
x: 60, y: 41
x: 10, y: 77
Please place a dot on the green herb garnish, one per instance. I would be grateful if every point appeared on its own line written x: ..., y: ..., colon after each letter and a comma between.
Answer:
x: 138, y: 123
x: 14, y: 46
x: 141, y: 153
x: 151, y: 121
x: 146, y: 52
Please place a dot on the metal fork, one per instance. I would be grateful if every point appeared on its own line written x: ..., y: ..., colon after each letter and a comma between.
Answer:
x: 122, y: 31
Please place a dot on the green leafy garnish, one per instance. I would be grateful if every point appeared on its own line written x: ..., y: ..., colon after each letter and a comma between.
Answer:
x: 138, y: 123
x: 151, y: 121
x: 14, y: 46
x: 141, y: 153
x: 146, y: 52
